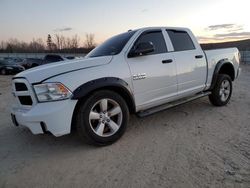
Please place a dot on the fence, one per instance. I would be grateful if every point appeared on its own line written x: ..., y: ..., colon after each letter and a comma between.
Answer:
x: 35, y: 55
x: 245, y: 57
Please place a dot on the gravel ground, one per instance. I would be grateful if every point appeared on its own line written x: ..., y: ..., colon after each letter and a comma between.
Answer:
x: 192, y: 145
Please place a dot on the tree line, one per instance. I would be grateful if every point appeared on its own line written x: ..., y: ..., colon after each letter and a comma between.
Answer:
x: 56, y: 44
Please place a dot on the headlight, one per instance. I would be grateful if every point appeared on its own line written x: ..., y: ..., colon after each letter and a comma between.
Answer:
x: 51, y: 92
x: 9, y: 68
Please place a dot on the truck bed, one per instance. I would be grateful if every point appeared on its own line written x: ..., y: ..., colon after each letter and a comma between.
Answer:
x: 213, y: 56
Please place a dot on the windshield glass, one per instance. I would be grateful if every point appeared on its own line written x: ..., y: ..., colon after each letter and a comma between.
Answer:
x: 112, y: 46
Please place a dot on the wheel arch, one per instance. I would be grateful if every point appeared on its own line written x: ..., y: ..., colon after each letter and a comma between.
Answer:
x: 224, y: 66
x: 108, y: 83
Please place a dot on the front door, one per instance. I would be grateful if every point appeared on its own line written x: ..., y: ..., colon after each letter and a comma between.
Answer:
x: 154, y: 74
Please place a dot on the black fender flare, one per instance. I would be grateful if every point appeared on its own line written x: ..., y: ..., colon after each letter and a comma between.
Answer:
x: 217, y: 70
x: 105, y: 82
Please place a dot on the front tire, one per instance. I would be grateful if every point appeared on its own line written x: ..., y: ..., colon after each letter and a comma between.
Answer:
x: 222, y: 91
x: 102, y: 118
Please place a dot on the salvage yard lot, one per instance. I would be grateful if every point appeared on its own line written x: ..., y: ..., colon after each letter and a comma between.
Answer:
x: 192, y: 145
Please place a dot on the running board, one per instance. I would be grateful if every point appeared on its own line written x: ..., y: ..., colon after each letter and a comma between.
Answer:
x: 171, y: 104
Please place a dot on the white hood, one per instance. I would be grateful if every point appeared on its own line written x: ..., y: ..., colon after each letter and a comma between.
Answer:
x: 44, y: 72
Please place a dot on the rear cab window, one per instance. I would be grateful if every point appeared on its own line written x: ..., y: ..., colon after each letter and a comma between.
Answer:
x: 181, y: 40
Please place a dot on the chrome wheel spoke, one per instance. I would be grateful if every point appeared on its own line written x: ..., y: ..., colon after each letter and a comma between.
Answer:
x: 226, y: 84
x: 100, y: 128
x: 114, y: 111
x: 223, y: 97
x: 104, y: 105
x: 225, y: 90
x: 112, y: 125
x: 94, y: 115
x: 100, y: 117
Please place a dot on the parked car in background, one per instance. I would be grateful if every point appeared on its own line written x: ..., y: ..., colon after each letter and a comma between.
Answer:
x: 10, y: 68
x: 51, y: 58
x: 32, y: 62
x: 15, y: 60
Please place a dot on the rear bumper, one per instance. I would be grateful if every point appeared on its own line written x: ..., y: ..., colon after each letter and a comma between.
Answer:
x: 54, y: 117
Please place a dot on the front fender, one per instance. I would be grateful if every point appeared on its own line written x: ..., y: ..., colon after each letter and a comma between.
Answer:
x: 92, y: 85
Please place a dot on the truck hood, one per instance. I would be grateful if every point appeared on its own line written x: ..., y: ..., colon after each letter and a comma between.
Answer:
x: 43, y: 72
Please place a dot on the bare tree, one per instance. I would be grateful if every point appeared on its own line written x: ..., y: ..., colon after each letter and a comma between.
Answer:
x: 62, y: 42
x: 89, y: 41
x: 3, y: 45
x: 36, y: 45
x: 75, y: 42
x: 49, y: 42
x: 57, y: 36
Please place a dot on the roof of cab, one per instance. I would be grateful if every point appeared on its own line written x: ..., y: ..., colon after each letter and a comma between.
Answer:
x: 174, y: 28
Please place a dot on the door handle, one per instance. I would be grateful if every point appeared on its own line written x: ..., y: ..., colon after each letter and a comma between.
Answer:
x: 199, y: 56
x: 167, y: 61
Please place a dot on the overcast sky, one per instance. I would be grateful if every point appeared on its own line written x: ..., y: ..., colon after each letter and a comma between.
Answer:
x: 210, y: 20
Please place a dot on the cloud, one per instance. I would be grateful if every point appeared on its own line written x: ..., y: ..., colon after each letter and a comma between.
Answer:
x: 228, y: 27
x: 233, y: 34
x: 201, y: 38
x: 221, y: 26
x: 224, y: 32
x: 222, y: 37
x: 63, y: 29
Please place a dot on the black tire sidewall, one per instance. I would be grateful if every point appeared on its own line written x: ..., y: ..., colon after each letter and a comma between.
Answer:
x: 83, y: 125
x: 215, y: 96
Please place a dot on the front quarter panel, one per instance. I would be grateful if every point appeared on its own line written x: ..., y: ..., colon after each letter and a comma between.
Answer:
x: 117, y: 68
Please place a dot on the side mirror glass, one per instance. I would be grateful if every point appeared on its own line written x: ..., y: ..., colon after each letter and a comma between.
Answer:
x: 141, y: 49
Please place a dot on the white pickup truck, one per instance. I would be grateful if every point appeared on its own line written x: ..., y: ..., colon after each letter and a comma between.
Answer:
x: 141, y: 71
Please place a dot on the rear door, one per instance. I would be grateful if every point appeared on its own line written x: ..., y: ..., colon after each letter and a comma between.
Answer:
x: 190, y: 62
x: 154, y: 74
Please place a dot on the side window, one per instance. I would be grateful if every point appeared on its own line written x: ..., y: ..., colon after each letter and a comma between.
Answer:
x: 181, y: 40
x: 156, y: 37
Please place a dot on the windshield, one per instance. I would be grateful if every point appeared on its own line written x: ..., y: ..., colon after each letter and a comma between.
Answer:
x: 112, y: 46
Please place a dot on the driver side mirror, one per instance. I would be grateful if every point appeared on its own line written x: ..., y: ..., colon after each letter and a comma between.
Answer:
x: 141, y: 49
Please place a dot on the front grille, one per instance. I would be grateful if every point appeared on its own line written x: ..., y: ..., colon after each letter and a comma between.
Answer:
x: 21, y: 87
x: 25, y: 100
x: 23, y: 92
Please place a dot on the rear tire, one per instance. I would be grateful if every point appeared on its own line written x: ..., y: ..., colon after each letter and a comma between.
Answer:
x: 222, y: 90
x: 102, y: 118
